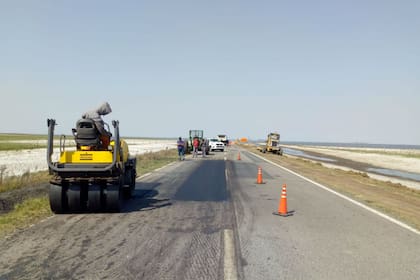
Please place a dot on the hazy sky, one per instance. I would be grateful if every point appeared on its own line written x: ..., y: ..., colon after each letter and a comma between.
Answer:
x: 336, y: 71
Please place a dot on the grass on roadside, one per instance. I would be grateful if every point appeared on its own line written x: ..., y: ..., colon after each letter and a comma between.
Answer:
x: 13, y: 146
x: 24, y: 214
x: 150, y: 161
x: 35, y: 209
x: 26, y: 180
x: 21, y: 137
x: 16, y: 142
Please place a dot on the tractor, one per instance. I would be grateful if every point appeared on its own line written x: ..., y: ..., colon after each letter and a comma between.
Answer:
x: 197, y: 134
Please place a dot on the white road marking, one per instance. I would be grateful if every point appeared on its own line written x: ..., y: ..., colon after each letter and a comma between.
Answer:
x: 163, y: 167
x: 160, y: 168
x: 229, y: 262
x: 395, y: 221
x: 144, y: 175
x: 229, y: 269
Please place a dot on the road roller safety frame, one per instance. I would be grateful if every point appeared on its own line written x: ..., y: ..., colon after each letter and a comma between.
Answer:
x: 85, y: 180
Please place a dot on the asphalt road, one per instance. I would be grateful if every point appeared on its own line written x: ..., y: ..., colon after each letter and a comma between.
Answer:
x: 206, y: 218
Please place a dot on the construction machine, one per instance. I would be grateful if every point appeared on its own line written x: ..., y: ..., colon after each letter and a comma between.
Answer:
x: 223, y: 138
x: 199, y: 134
x: 272, y: 144
x: 92, y: 177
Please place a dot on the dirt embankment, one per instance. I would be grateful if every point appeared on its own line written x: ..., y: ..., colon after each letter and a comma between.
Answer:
x: 394, y: 199
x: 9, y: 199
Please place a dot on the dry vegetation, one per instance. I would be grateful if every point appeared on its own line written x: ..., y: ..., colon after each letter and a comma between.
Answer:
x: 153, y: 160
x: 14, y: 142
x: 26, y: 180
x: 24, y: 214
x: 21, y: 137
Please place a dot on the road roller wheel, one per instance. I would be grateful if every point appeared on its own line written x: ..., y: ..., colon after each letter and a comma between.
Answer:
x: 94, y: 198
x: 133, y: 182
x: 128, y: 189
x: 113, y: 198
x: 73, y: 198
x: 57, y: 199
x: 127, y: 192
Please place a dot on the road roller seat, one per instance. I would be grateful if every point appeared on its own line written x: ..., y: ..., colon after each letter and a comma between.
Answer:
x: 86, y: 133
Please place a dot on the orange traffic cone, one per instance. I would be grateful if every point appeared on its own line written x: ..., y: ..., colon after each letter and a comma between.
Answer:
x: 259, y: 176
x: 282, y: 210
x: 239, y: 155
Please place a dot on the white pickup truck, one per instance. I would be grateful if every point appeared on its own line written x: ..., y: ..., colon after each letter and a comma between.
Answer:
x: 216, y: 145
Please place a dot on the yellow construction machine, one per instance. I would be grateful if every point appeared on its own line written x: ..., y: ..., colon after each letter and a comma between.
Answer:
x: 91, y: 177
x: 272, y: 144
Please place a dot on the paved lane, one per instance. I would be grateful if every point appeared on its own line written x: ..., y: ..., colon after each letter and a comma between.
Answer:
x: 207, y: 219
x: 176, y: 228
x: 326, y: 238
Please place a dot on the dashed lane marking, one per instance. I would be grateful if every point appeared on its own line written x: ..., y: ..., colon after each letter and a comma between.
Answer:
x: 229, y: 269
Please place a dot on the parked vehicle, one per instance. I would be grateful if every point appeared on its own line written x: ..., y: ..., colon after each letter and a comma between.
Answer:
x: 216, y: 145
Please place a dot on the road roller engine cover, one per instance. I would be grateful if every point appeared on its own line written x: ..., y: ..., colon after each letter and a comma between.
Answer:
x: 96, y: 176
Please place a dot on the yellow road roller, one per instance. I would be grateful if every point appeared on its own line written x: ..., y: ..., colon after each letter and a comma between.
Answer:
x: 92, y: 177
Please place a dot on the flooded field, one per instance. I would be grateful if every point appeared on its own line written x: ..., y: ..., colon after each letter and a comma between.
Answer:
x: 395, y: 163
x: 294, y: 152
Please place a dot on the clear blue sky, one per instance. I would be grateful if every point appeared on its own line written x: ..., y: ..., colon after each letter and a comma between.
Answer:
x: 337, y: 71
